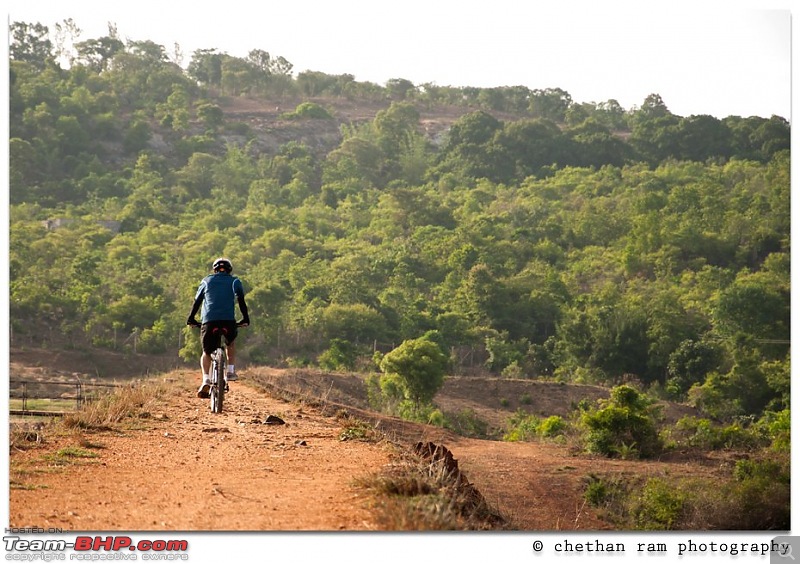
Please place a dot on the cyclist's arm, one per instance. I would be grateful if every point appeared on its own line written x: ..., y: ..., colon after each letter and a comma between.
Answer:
x: 243, y: 308
x: 239, y: 289
x: 198, y: 300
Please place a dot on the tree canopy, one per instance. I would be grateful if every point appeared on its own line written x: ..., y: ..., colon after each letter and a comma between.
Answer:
x: 577, y: 241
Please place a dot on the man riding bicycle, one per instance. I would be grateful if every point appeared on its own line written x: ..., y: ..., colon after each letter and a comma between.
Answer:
x: 218, y: 293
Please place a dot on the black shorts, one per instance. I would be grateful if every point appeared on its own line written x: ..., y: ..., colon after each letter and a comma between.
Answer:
x: 212, y: 332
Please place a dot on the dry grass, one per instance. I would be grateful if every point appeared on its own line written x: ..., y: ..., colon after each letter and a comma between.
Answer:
x: 24, y: 437
x: 124, y: 407
x: 354, y: 429
x: 134, y: 401
x: 415, y: 494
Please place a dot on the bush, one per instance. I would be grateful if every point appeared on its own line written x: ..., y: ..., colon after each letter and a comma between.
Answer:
x: 604, y: 492
x: 308, y: 110
x: 552, y: 426
x: 374, y: 394
x: 340, y: 355
x: 624, y: 425
x: 755, y: 497
x: 513, y: 370
x: 596, y: 493
x: 422, y: 413
x: 703, y: 434
x: 762, y: 494
x: 436, y: 417
x: 778, y: 427
x: 524, y: 427
x: 660, y: 506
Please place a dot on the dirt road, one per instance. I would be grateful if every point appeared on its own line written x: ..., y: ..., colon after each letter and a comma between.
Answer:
x: 184, y: 468
x: 189, y: 469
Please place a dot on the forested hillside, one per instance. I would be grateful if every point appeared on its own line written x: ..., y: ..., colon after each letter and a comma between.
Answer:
x: 539, y: 236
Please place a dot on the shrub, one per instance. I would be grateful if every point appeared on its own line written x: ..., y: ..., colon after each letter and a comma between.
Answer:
x: 552, y: 426
x: 297, y: 362
x: 596, y: 493
x: 308, y: 110
x: 513, y: 370
x: 604, y: 492
x: 623, y: 424
x: 436, y: 417
x: 422, y: 413
x: 340, y: 355
x: 702, y: 433
x: 391, y: 392
x: 524, y: 427
x: 468, y: 424
x: 762, y: 492
x: 755, y: 497
x: 659, y: 506
x: 778, y: 427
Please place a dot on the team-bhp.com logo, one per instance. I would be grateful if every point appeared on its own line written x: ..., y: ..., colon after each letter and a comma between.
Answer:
x: 94, y: 548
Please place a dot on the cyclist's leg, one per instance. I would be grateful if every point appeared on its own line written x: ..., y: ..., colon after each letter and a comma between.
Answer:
x: 205, y: 364
x: 231, y: 353
x: 205, y: 384
x: 210, y: 341
x: 231, y: 340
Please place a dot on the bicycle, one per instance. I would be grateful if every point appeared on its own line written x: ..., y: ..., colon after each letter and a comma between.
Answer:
x: 218, y: 374
x: 219, y: 384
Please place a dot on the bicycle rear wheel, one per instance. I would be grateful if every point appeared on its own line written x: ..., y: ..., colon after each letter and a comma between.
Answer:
x: 218, y: 381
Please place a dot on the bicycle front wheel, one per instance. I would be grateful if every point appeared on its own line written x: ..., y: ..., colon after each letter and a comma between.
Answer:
x: 218, y: 381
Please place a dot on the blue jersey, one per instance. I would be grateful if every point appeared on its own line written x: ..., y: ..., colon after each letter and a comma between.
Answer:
x: 219, y: 292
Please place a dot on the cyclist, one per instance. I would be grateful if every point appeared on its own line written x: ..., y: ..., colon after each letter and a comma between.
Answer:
x: 218, y: 293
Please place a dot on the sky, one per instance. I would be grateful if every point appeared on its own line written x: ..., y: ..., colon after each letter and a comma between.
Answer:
x: 701, y: 57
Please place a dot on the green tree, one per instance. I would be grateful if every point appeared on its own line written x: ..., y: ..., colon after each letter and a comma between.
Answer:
x: 420, y: 364
x: 529, y: 146
x: 690, y: 363
x: 595, y: 145
x: 550, y: 103
x: 400, y: 88
x: 356, y: 323
x: 206, y: 67
x: 703, y: 137
x: 468, y: 148
x: 98, y: 53
x: 756, y: 307
x: 30, y: 43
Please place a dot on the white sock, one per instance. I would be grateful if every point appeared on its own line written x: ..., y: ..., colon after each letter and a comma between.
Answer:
x: 230, y: 369
x: 206, y: 378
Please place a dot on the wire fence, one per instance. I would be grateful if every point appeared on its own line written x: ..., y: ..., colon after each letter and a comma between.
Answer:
x: 52, y: 397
